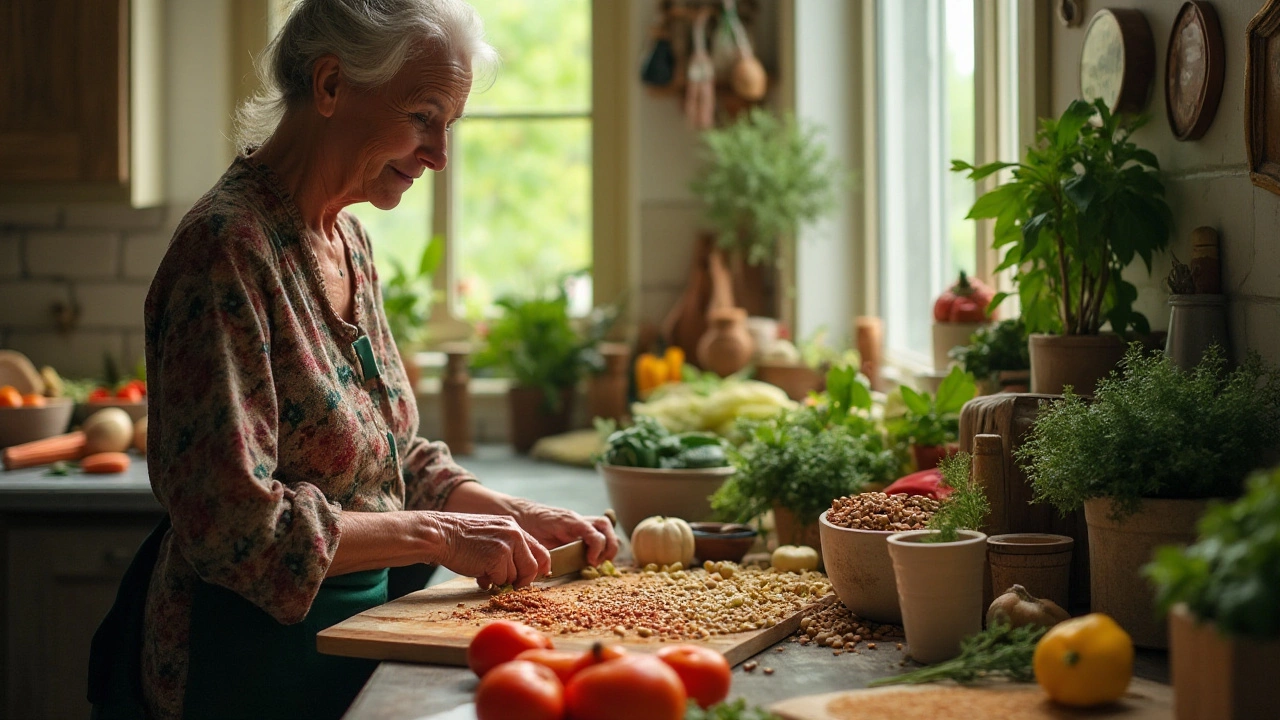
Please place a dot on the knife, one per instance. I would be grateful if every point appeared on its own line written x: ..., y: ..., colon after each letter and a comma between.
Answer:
x: 572, y: 557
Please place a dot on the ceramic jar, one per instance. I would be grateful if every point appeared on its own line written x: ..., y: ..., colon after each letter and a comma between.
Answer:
x: 726, y: 347
x: 1195, y: 323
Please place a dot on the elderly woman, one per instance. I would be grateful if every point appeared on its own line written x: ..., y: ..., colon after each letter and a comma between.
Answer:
x: 283, y: 435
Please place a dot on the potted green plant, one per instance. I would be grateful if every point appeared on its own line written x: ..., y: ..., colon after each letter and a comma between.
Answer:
x: 407, y: 295
x: 763, y: 177
x: 930, y: 423
x: 798, y: 461
x: 1082, y: 205
x: 540, y: 347
x: 1143, y: 457
x: 997, y: 357
x: 939, y: 571
x: 1222, y: 596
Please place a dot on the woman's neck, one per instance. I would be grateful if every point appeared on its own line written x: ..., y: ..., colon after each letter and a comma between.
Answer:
x: 295, y: 152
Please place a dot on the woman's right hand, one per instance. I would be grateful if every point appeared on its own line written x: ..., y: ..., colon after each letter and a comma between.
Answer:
x: 493, y: 549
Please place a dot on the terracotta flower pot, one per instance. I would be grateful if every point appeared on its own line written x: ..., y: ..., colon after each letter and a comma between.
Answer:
x: 790, y: 531
x: 638, y: 493
x: 927, y: 457
x: 531, y: 420
x: 1220, y: 678
x: 1117, y: 552
x: 1076, y: 360
x: 860, y: 570
x: 796, y: 380
x: 1039, y: 562
x: 940, y: 591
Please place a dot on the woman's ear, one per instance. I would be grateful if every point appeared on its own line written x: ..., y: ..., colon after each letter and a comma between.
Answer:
x: 326, y: 76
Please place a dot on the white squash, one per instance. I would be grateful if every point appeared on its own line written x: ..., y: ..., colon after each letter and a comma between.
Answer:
x: 662, y: 541
x: 108, y: 430
x: 794, y: 558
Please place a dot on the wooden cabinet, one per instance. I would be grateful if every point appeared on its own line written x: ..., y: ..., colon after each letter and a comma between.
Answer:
x: 62, y: 575
x: 81, y: 118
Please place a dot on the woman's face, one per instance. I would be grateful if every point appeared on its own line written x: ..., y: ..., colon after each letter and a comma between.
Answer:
x: 398, y: 131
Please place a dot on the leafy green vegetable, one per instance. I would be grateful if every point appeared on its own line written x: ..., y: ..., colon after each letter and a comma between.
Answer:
x: 965, y: 508
x: 736, y: 710
x: 1231, y: 576
x: 934, y: 419
x: 407, y: 294
x: 647, y: 444
x: 1155, y: 431
x: 993, y: 348
x: 998, y: 651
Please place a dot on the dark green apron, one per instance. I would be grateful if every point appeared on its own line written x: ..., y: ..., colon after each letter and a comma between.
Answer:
x: 243, y: 663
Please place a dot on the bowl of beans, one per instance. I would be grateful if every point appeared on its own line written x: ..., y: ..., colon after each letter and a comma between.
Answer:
x: 856, y: 554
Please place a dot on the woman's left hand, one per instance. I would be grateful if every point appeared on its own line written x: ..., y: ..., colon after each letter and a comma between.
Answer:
x: 553, y: 527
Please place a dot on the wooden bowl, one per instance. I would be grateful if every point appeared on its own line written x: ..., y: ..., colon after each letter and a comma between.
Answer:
x: 716, y: 541
x: 24, y: 424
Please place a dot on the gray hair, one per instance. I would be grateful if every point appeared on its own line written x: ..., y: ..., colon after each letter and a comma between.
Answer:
x: 372, y: 39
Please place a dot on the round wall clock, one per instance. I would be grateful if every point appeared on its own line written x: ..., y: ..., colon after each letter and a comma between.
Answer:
x: 1194, y: 70
x: 1118, y: 60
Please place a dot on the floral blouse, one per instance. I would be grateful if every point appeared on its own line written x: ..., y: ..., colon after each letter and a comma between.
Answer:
x: 269, y: 415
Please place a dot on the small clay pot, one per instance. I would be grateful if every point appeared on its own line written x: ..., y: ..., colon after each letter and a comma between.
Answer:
x: 716, y: 541
x: 726, y: 347
x: 1037, y: 561
x: 940, y: 591
x: 927, y: 457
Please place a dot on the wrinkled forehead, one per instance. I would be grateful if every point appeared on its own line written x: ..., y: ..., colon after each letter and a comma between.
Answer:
x: 432, y: 71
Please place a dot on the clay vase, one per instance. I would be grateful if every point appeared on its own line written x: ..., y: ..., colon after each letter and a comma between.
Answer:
x: 531, y: 419
x: 927, y: 457
x: 726, y: 347
x: 1195, y: 323
x: 455, y: 395
x: 1219, y: 677
x: 607, y: 391
x: 939, y: 590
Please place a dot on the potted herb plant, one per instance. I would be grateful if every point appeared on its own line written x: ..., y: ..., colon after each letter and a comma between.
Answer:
x: 1082, y: 205
x: 797, y: 462
x: 930, y: 423
x: 763, y: 177
x: 1143, y: 457
x: 940, y: 570
x: 1222, y: 595
x: 997, y: 357
x: 406, y: 301
x: 539, y: 346
x: 649, y: 471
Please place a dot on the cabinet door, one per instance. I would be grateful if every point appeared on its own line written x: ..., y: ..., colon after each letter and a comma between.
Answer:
x: 62, y: 580
x: 65, y: 83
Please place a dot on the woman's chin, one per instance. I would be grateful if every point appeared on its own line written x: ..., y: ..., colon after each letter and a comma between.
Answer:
x: 385, y: 201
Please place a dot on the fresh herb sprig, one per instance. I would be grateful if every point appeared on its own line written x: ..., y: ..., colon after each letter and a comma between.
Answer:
x: 999, y: 651
x: 736, y: 710
x: 965, y: 508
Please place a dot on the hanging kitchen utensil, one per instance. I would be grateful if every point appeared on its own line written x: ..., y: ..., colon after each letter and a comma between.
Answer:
x: 659, y: 67
x: 700, y: 95
x: 748, y: 78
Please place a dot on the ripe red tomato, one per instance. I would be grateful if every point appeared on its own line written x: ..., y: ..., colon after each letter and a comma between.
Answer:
x: 705, y: 673
x: 500, y: 641
x: 129, y: 393
x: 635, y: 687
x: 99, y: 395
x: 561, y: 662
x: 520, y: 690
x: 140, y: 385
x: 599, y: 653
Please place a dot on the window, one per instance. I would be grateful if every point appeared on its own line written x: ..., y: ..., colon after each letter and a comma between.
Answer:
x: 514, y: 202
x: 930, y: 96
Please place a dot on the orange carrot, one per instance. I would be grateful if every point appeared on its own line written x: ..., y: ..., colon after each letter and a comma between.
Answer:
x: 46, y: 451
x: 105, y: 462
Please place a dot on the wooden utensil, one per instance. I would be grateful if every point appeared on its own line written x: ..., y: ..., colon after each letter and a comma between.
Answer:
x: 748, y: 80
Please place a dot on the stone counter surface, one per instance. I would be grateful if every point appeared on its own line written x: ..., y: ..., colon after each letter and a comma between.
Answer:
x: 35, y: 490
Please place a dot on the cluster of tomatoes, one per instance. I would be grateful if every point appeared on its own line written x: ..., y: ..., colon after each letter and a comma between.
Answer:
x: 523, y: 677
x: 11, y: 397
x: 132, y: 391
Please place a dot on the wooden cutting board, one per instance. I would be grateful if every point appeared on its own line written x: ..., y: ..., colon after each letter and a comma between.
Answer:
x: 420, y: 627
x: 1145, y: 700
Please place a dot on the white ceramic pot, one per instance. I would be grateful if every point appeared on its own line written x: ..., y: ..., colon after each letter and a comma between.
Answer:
x: 860, y: 570
x: 637, y: 493
x: 939, y: 589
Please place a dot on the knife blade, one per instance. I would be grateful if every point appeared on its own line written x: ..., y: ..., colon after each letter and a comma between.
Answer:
x: 568, y: 559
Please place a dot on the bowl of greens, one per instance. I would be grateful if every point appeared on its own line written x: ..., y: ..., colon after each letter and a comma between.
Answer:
x: 649, y: 471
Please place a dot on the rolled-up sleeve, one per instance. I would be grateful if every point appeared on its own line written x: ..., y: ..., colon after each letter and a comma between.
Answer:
x: 431, y: 475
x: 212, y: 438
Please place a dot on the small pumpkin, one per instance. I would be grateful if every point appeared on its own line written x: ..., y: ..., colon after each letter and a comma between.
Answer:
x: 662, y: 541
x: 794, y: 558
x: 1019, y: 607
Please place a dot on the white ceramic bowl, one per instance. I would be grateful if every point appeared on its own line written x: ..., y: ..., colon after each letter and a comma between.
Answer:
x: 637, y: 493
x: 861, y: 572
x: 24, y: 424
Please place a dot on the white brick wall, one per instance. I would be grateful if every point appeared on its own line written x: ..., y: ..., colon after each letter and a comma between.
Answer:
x: 96, y: 257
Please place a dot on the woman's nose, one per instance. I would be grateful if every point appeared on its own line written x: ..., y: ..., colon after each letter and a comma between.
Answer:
x: 434, y: 154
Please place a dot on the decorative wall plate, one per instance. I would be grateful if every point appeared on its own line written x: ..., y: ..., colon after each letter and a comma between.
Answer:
x: 1194, y: 68
x: 1118, y: 59
x: 1262, y: 97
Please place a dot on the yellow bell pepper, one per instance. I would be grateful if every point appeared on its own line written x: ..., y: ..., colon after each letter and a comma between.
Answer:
x: 651, y: 371
x: 674, y: 359
x: 1085, y: 661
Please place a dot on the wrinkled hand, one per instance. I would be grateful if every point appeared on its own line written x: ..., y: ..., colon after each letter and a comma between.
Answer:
x: 553, y: 527
x: 493, y: 549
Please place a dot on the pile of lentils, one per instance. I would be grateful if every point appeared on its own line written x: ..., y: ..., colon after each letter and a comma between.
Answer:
x: 877, y: 511
x: 836, y: 627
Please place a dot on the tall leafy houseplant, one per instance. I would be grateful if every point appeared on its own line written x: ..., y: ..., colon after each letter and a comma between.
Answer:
x: 407, y: 294
x: 763, y: 178
x: 1084, y: 202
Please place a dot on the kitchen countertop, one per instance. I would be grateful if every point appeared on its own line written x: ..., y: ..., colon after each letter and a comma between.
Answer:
x: 35, y: 490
